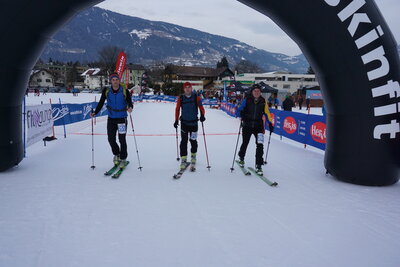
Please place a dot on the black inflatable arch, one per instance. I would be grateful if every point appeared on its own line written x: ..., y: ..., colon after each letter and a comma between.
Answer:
x: 347, y: 42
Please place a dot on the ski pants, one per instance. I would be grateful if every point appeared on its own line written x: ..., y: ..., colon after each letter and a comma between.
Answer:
x: 188, y: 132
x: 246, y: 135
x: 114, y: 126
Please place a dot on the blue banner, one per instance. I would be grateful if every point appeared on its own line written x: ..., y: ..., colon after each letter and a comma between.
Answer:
x: 64, y: 114
x: 303, y: 128
x: 167, y: 98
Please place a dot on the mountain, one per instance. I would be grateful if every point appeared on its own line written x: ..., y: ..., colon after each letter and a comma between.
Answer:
x: 148, y: 41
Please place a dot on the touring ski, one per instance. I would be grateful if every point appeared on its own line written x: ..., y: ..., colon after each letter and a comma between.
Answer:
x: 266, y: 180
x: 111, y: 171
x: 192, y: 168
x: 120, y: 171
x: 243, y: 169
x: 180, y: 173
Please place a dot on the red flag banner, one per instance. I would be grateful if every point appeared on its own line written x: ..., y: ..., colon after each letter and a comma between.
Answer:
x: 121, y: 64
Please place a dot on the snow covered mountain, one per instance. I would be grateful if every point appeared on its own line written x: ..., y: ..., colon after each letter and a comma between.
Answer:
x: 148, y: 41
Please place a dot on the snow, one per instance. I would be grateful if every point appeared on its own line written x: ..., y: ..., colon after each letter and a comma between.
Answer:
x: 142, y: 35
x: 56, y: 211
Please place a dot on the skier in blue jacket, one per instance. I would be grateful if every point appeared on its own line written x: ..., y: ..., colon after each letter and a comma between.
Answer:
x: 119, y: 103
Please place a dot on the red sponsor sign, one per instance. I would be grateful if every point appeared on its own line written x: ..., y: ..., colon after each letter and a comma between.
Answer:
x: 290, y: 125
x: 121, y: 64
x: 318, y: 132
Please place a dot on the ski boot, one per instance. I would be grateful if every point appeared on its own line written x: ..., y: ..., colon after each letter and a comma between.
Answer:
x: 241, y: 162
x: 116, y: 160
x: 123, y: 163
x: 259, y: 170
x: 193, y: 162
x: 183, y: 162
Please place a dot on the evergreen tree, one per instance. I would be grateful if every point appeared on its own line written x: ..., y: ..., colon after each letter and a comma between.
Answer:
x: 223, y: 63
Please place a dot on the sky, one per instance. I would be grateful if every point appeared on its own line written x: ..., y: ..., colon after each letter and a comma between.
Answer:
x: 250, y: 26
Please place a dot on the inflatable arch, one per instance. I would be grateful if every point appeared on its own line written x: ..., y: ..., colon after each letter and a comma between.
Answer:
x: 347, y: 42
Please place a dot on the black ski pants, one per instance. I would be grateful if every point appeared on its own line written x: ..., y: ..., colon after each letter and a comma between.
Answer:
x: 188, y: 132
x: 112, y: 130
x: 247, y: 132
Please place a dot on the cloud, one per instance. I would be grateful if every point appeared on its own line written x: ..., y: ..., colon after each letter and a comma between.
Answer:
x: 229, y: 18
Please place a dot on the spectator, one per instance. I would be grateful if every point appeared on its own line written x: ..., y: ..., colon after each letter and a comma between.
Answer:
x: 288, y: 104
x: 308, y: 103
x: 300, y: 101
x: 276, y: 102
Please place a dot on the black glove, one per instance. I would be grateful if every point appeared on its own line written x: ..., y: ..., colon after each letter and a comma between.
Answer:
x: 176, y: 123
x: 242, y: 114
x: 271, y: 128
x: 202, y: 118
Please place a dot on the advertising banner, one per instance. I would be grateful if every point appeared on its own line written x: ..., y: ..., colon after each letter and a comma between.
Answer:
x: 65, y: 114
x: 300, y: 127
x: 39, y: 123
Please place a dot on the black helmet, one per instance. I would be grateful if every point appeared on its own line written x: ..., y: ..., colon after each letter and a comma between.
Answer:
x: 256, y: 86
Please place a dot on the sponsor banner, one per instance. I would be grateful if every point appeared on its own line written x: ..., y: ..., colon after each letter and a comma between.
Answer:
x: 229, y: 108
x: 64, y: 114
x: 39, y: 123
x: 314, y: 94
x: 300, y: 127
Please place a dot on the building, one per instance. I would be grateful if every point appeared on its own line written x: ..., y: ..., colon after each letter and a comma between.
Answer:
x: 280, y: 80
x: 95, y: 79
x: 202, y: 78
x: 60, y: 71
x: 41, y: 78
x: 136, y: 72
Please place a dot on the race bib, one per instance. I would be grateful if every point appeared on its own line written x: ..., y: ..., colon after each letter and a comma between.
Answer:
x: 121, y: 128
x: 260, y: 138
x: 193, y: 136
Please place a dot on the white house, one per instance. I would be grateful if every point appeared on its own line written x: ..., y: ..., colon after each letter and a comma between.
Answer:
x: 41, y: 78
x: 94, y: 78
x: 281, y: 80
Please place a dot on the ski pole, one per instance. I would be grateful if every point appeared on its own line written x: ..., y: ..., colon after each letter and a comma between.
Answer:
x: 269, y: 142
x: 177, y: 146
x: 205, y: 144
x: 93, y: 166
x: 237, y: 143
x: 134, y: 137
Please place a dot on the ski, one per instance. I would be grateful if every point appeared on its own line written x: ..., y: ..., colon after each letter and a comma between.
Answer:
x: 243, y: 169
x: 266, y: 180
x: 111, y: 171
x: 193, y: 168
x: 180, y: 173
x: 120, y: 171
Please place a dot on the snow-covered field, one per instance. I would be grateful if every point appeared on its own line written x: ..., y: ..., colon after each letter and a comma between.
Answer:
x: 56, y: 211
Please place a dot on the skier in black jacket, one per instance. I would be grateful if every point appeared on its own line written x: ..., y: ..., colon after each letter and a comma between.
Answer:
x: 254, y: 112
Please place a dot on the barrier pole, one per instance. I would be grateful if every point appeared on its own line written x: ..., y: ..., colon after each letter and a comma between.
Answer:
x: 54, y: 135
x: 65, y: 131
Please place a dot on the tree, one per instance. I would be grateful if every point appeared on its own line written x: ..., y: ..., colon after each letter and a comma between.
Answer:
x: 72, y: 75
x: 223, y: 63
x: 172, y: 88
x: 246, y: 66
x: 310, y: 70
x: 108, y: 56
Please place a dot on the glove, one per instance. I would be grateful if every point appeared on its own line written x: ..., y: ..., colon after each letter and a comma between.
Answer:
x: 202, y: 118
x: 242, y: 114
x: 271, y: 128
x: 176, y: 123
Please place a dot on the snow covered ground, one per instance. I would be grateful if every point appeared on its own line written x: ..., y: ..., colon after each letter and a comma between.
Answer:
x: 56, y: 211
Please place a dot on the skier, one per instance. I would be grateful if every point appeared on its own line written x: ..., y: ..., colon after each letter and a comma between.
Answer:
x: 254, y: 111
x: 190, y: 104
x: 119, y: 102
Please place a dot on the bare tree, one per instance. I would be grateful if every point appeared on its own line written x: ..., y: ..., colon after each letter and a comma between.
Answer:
x: 108, y: 56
